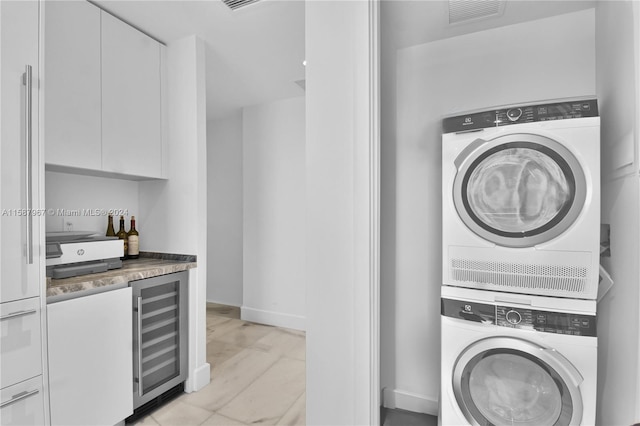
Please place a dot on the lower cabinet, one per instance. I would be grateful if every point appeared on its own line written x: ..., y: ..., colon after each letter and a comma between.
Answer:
x: 90, y: 353
x: 22, y: 404
x: 21, y: 399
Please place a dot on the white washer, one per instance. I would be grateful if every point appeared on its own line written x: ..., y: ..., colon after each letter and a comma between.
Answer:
x: 521, y: 199
x: 516, y: 359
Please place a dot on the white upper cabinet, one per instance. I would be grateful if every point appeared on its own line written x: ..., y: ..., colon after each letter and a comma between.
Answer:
x: 131, y: 111
x: 72, y: 92
x: 103, y: 94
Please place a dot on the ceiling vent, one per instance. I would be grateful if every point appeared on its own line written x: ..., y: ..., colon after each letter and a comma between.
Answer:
x: 473, y: 10
x: 237, y: 4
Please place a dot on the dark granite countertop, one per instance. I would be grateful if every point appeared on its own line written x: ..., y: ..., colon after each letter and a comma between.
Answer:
x: 147, y: 266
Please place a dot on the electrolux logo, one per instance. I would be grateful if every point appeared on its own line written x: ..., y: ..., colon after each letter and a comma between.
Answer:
x: 467, y: 121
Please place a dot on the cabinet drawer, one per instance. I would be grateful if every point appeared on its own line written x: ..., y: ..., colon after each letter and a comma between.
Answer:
x: 22, y: 404
x: 20, y: 341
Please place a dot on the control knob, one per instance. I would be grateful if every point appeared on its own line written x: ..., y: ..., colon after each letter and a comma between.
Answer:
x: 514, y: 114
x: 513, y: 317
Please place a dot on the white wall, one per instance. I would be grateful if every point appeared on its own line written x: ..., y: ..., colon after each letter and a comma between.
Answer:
x: 88, y: 195
x: 617, y: 53
x: 224, y: 210
x: 342, y: 205
x: 514, y: 64
x: 174, y: 211
x: 274, y: 213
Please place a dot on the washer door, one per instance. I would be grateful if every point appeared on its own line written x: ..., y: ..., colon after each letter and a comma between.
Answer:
x: 518, y: 190
x: 506, y: 381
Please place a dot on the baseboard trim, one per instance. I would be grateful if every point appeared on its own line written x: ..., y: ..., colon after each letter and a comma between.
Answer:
x: 394, y: 398
x: 277, y: 319
x: 200, y: 378
x: 218, y: 302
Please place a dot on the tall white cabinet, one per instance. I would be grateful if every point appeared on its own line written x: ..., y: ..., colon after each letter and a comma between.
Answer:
x: 21, y: 225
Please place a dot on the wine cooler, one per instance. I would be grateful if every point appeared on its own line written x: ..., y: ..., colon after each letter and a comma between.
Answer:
x: 159, y: 336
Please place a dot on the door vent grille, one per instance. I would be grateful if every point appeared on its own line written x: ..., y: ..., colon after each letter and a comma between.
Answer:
x: 237, y: 4
x: 519, y: 276
x: 471, y: 10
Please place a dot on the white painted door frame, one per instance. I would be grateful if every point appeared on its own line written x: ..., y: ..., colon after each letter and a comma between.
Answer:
x: 343, y: 210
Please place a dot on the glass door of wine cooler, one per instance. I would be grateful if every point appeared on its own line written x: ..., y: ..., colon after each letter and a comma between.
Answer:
x: 160, y: 335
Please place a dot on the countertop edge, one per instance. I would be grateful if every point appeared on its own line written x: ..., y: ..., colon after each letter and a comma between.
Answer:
x: 111, y: 280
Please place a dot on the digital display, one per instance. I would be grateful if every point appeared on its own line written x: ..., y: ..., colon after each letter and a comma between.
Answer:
x: 557, y: 321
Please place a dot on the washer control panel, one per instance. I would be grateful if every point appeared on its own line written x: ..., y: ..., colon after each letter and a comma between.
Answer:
x: 546, y: 321
x: 521, y: 318
x: 521, y: 114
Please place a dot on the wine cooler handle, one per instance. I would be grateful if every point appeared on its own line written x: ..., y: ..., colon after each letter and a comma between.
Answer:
x: 26, y: 80
x: 139, y: 303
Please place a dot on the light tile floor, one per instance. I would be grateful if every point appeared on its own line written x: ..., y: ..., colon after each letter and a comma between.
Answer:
x: 257, y: 377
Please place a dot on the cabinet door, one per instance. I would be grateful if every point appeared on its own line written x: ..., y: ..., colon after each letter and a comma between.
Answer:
x: 22, y: 404
x: 72, y: 92
x: 90, y: 359
x: 131, y: 111
x: 19, y: 161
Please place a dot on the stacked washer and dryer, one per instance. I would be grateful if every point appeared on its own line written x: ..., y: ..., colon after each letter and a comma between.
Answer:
x: 521, y: 251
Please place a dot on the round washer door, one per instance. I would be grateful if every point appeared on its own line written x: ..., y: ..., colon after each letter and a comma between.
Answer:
x: 518, y: 190
x: 505, y: 381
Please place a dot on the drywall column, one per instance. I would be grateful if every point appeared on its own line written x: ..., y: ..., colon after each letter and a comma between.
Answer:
x: 342, y: 213
x: 224, y: 211
x: 617, y: 56
x: 173, y: 213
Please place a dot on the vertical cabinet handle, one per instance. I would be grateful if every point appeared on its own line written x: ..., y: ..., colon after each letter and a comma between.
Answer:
x: 140, y: 390
x: 26, y: 80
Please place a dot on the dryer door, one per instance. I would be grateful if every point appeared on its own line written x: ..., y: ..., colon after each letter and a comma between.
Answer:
x: 506, y: 381
x: 518, y: 190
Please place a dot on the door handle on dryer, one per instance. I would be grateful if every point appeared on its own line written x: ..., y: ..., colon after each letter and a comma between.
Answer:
x: 569, y: 369
x: 464, y: 154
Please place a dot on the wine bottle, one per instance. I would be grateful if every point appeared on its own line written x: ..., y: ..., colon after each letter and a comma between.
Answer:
x: 122, y: 234
x: 110, y: 230
x: 133, y: 239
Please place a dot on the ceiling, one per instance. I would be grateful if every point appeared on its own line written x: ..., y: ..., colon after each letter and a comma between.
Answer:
x: 255, y: 54
x: 410, y: 22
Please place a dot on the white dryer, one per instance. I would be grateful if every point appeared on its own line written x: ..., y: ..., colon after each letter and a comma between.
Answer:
x: 514, y: 359
x: 521, y: 199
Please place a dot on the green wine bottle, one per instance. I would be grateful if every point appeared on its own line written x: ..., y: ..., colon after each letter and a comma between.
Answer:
x: 122, y: 234
x: 133, y: 240
x: 110, y: 231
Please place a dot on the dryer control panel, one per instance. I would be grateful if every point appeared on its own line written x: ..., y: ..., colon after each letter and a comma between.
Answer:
x: 521, y: 318
x: 521, y: 114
